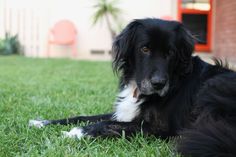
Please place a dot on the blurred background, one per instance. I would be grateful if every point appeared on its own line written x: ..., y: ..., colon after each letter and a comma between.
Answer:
x: 84, y: 29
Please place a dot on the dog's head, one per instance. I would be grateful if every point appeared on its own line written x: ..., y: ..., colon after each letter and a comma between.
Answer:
x: 153, y: 52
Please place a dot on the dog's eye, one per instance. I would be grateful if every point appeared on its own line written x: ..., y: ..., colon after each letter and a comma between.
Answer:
x: 145, y: 50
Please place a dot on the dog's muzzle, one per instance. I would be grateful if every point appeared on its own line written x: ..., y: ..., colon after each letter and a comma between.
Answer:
x: 148, y: 88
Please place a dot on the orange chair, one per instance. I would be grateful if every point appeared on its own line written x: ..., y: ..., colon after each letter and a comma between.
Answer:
x: 167, y: 17
x: 63, y: 33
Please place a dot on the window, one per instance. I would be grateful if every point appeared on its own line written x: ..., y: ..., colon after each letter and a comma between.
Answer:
x: 196, y: 16
x: 196, y: 4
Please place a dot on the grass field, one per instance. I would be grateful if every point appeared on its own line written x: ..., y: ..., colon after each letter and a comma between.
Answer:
x: 58, y: 88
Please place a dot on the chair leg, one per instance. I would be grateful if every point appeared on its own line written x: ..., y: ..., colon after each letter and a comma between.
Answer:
x: 48, y: 50
x: 74, y: 49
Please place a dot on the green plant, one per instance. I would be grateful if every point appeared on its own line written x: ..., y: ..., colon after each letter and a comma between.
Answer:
x: 108, y: 10
x: 10, y: 45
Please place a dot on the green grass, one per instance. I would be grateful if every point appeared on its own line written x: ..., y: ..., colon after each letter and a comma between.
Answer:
x: 58, y: 88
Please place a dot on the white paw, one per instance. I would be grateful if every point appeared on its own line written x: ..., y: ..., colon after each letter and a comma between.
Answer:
x: 38, y: 123
x: 73, y: 133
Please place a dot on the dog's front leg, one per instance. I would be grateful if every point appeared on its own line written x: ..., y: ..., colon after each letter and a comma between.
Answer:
x: 72, y: 120
x: 106, y: 129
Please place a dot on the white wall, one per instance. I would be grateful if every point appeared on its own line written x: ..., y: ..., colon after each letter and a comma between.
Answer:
x: 80, y: 12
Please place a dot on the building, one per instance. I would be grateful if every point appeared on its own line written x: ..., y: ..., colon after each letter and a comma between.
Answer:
x: 212, y: 22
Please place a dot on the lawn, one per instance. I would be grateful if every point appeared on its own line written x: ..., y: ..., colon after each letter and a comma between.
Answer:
x: 58, y: 88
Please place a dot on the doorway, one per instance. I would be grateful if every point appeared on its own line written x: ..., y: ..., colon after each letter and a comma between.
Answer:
x: 196, y: 15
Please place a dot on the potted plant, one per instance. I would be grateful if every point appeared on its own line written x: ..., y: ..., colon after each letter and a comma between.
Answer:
x: 10, y: 45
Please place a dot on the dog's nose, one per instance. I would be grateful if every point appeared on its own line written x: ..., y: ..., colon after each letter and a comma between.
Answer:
x: 158, y: 82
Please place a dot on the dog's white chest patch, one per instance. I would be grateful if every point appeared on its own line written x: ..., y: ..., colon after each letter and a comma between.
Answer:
x: 127, y: 105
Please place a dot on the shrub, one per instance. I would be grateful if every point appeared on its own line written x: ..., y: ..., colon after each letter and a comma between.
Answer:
x: 10, y: 45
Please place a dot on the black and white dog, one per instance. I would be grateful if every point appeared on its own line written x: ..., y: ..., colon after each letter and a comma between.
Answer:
x: 166, y: 92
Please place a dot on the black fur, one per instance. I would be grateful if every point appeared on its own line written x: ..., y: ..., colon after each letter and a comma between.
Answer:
x: 201, y: 102
x: 182, y: 95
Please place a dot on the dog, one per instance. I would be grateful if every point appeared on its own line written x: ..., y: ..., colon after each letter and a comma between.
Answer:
x: 165, y: 91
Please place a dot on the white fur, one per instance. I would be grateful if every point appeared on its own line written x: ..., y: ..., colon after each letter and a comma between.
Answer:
x: 74, y: 133
x: 38, y: 123
x: 127, y: 108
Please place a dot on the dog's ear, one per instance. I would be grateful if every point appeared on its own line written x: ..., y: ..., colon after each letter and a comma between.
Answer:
x: 184, y: 48
x: 123, y: 47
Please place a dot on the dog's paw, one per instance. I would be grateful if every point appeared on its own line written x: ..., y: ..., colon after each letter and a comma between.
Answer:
x: 73, y: 133
x: 38, y: 123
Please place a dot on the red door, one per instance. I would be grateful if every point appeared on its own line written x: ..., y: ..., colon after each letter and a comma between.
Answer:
x: 196, y: 15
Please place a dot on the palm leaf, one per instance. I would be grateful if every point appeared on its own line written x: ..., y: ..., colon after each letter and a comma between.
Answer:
x: 105, y: 7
